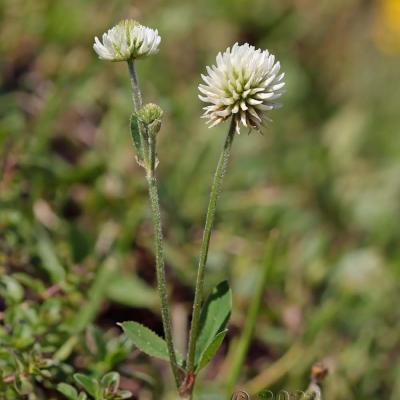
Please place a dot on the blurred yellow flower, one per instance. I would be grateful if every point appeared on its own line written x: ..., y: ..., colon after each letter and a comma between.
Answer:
x: 387, y: 26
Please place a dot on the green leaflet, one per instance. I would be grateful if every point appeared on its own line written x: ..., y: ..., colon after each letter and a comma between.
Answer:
x: 213, y: 320
x: 211, y: 350
x: 147, y: 341
x: 68, y: 391
x: 90, y: 385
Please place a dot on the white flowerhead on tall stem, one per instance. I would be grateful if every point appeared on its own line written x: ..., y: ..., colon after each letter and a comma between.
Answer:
x: 244, y: 84
x: 127, y: 40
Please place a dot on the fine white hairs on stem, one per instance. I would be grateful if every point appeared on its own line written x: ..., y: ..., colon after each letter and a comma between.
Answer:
x: 127, y: 40
x: 244, y: 84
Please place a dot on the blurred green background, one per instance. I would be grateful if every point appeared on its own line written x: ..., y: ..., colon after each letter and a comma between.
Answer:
x: 325, y: 174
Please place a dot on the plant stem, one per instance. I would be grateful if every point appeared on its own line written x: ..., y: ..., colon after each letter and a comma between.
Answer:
x: 242, y: 346
x: 158, y: 237
x: 137, y: 105
x: 212, y: 205
x: 137, y: 95
x: 160, y: 269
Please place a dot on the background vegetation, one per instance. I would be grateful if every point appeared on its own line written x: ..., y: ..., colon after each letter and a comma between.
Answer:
x: 75, y: 234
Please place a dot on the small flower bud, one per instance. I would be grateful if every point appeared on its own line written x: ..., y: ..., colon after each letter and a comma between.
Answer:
x: 151, y: 115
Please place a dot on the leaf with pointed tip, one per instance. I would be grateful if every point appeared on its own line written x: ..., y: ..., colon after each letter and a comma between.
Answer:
x: 214, y: 317
x: 147, y: 341
x: 209, y: 353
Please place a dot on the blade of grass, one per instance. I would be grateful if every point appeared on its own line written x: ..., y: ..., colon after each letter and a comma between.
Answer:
x: 96, y: 296
x: 243, y: 344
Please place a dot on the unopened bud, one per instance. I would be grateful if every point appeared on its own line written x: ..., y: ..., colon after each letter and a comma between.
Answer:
x: 151, y: 115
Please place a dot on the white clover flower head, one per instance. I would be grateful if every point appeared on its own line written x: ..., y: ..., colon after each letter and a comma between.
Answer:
x: 244, y: 84
x: 127, y: 40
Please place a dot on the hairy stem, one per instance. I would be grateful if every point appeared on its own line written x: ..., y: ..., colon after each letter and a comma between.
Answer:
x: 137, y: 95
x: 212, y: 205
x: 160, y: 269
x: 158, y: 236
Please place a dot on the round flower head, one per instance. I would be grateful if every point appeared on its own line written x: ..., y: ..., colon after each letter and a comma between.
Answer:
x: 245, y: 83
x: 126, y: 41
